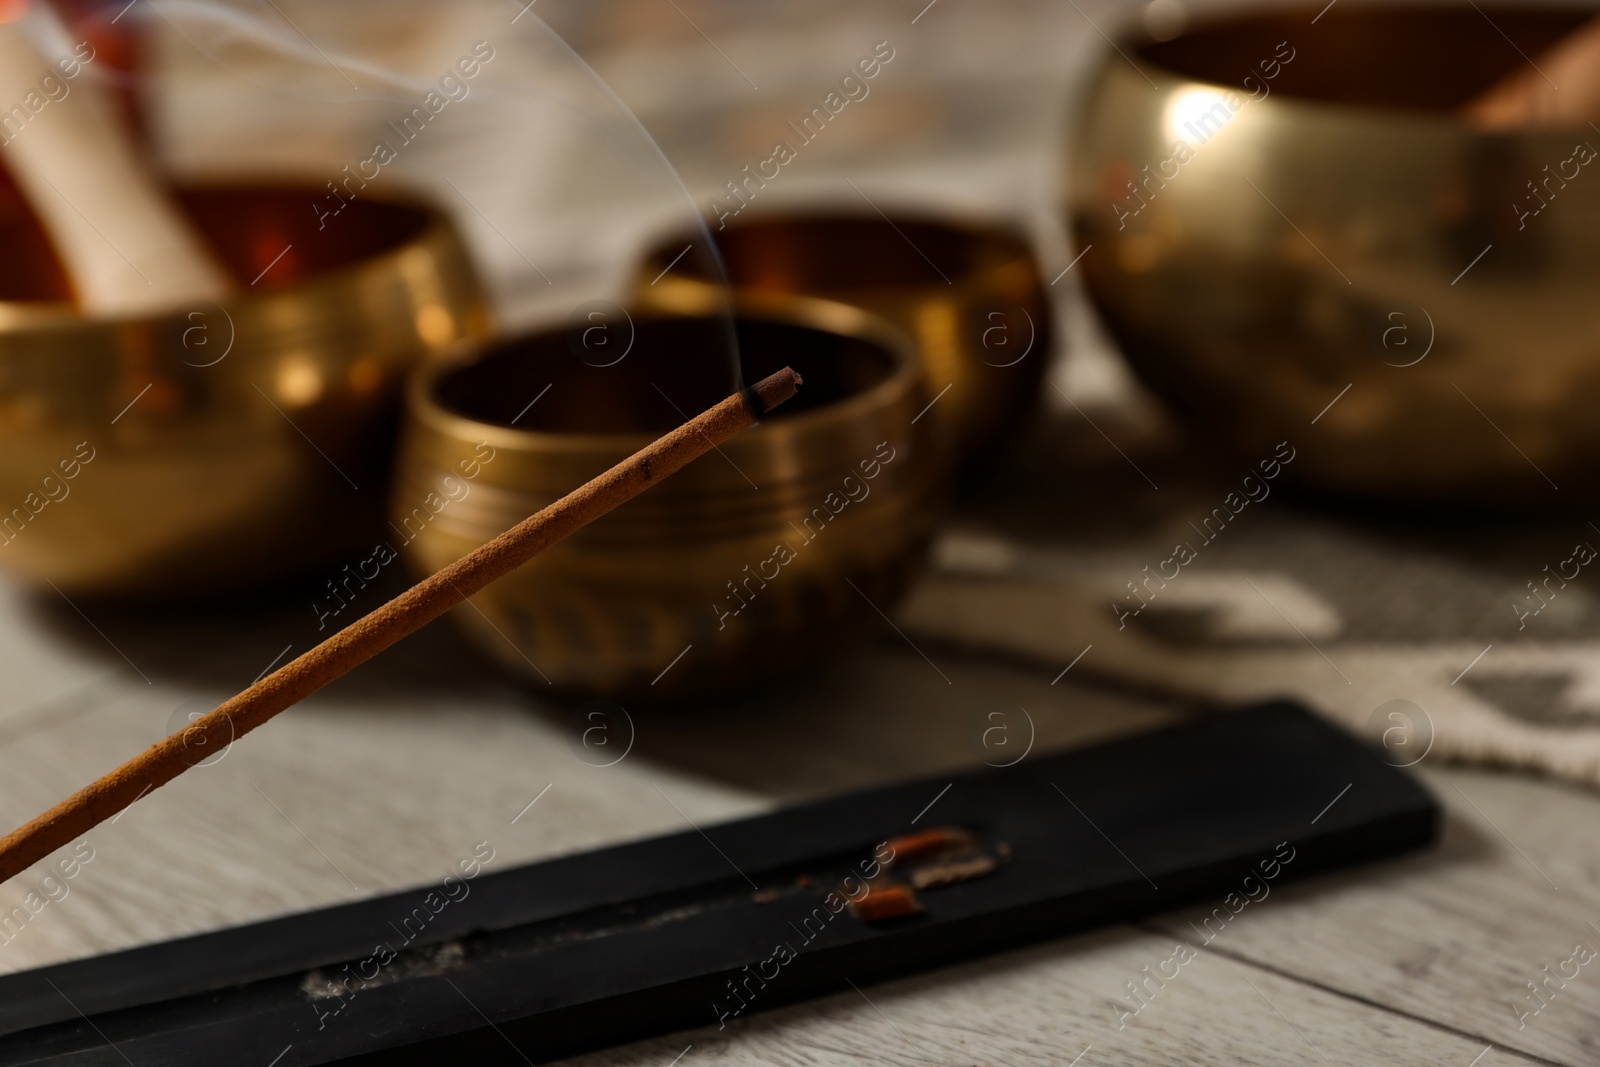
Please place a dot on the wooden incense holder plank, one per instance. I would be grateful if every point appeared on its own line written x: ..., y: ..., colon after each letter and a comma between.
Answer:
x: 640, y: 938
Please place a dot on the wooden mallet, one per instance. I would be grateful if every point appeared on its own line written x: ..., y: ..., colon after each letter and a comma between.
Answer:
x: 125, y: 245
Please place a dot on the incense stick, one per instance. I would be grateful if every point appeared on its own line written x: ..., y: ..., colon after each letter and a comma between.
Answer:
x: 373, y: 633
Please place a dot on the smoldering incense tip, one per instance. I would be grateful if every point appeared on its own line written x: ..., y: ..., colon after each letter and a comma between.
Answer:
x: 771, y: 391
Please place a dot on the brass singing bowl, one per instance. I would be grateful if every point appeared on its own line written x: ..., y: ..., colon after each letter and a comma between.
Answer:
x: 969, y: 295
x: 226, y: 441
x: 1339, y: 261
x: 684, y: 588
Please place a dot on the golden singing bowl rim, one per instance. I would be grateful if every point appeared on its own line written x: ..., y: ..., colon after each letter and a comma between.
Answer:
x: 422, y: 405
x: 434, y: 226
x: 997, y: 246
x: 1136, y: 41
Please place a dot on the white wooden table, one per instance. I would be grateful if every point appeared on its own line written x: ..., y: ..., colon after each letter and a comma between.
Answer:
x: 395, y: 773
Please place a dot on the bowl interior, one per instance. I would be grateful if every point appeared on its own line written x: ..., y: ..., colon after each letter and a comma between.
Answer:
x: 1429, y: 58
x: 831, y: 253
x: 675, y: 370
x: 247, y: 227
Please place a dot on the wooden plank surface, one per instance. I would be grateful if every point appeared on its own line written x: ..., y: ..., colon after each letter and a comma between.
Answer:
x: 1051, y: 1005
x: 1455, y: 936
x: 392, y: 776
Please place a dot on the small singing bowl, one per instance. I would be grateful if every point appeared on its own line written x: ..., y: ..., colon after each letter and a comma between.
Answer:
x: 738, y: 566
x: 1295, y: 235
x: 220, y: 442
x: 969, y: 295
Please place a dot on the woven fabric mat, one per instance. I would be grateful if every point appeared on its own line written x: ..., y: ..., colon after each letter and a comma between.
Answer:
x: 1416, y: 630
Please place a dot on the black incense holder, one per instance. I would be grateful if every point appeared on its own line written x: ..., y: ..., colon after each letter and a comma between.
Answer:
x: 596, y: 949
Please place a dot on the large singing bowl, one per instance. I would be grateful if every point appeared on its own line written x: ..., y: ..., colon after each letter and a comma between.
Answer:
x: 219, y: 443
x: 1295, y: 236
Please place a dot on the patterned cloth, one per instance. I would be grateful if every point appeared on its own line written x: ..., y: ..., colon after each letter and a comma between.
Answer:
x: 1448, y: 635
